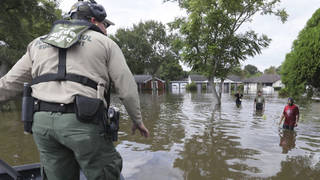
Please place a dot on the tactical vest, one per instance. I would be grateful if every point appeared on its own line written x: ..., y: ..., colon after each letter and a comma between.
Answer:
x: 63, y: 35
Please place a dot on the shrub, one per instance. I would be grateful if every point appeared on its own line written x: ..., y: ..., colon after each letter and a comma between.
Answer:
x: 192, y: 86
x: 204, y: 87
x: 277, y: 88
x: 283, y: 92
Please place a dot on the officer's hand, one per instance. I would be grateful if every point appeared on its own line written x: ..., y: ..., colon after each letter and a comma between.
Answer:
x: 143, y: 130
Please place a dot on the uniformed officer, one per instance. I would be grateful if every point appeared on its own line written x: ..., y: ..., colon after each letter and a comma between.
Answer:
x: 76, y: 59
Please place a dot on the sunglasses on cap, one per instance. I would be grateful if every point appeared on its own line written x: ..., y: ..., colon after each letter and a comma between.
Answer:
x: 107, y: 23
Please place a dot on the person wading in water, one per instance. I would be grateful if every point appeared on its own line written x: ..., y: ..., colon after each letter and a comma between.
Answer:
x: 290, y: 114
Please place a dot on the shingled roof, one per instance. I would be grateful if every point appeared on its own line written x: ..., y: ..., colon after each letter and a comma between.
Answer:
x: 234, y: 78
x: 144, y: 78
x: 197, y: 77
x: 265, y: 78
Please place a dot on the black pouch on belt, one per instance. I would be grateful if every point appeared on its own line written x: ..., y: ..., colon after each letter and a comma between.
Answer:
x: 88, y: 109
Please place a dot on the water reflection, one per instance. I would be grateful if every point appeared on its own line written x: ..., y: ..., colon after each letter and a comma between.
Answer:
x: 15, y: 147
x: 193, y: 140
x: 212, y: 155
x: 259, y: 113
x: 299, y: 167
x: 287, y: 140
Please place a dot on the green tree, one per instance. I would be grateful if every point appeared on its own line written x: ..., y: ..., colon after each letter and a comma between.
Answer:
x: 270, y: 70
x: 171, y: 70
x: 301, y: 69
x: 251, y: 70
x: 133, y: 48
x: 20, y: 22
x: 278, y: 69
x: 147, y: 48
x: 238, y: 71
x: 212, y: 41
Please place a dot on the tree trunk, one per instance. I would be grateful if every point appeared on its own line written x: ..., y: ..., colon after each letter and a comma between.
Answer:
x: 220, y: 89
x: 214, y: 91
x: 153, y: 84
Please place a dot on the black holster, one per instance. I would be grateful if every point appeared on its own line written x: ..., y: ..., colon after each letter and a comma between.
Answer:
x: 92, y: 110
x: 27, y: 109
x: 113, y: 119
x: 88, y: 110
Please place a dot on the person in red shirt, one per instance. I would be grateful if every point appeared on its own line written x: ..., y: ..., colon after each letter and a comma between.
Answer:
x: 291, y: 115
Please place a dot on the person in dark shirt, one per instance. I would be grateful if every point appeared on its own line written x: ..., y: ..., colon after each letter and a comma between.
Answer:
x: 238, y: 96
x: 290, y: 114
x: 259, y: 102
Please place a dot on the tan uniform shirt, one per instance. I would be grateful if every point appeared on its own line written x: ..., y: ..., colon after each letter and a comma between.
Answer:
x: 94, y: 56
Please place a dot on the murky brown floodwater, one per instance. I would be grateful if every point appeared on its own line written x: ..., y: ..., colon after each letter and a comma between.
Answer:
x: 191, y: 142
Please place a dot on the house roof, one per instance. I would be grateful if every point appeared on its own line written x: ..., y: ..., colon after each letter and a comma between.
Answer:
x: 184, y: 80
x: 265, y: 78
x: 145, y: 78
x: 197, y: 77
x: 234, y: 78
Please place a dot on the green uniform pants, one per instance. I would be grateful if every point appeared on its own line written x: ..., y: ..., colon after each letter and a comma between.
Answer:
x: 67, y: 145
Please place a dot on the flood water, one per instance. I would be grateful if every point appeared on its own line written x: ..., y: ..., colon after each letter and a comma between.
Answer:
x: 191, y: 141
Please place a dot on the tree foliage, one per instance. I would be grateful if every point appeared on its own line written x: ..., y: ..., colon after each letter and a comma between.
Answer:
x: 171, y: 70
x: 20, y: 22
x: 147, y: 48
x: 247, y: 72
x: 251, y: 69
x: 238, y: 71
x: 212, y: 41
x: 271, y: 70
x: 301, y: 68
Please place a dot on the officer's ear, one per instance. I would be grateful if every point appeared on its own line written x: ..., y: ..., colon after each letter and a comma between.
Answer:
x: 94, y: 21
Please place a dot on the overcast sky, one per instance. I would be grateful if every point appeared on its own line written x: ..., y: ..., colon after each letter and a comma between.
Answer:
x: 125, y: 13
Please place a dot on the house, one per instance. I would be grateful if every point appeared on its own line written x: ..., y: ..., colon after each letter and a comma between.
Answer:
x: 199, y: 80
x: 144, y: 82
x: 266, y: 83
x: 202, y: 81
x: 231, y: 80
x: 196, y: 78
x: 180, y: 84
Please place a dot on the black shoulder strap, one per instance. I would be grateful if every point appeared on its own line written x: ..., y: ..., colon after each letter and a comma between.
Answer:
x: 62, y: 63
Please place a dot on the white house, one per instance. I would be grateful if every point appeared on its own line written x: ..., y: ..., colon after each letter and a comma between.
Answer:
x: 228, y: 82
x: 182, y: 84
x: 202, y: 81
x: 278, y: 84
x: 266, y: 83
x: 196, y: 78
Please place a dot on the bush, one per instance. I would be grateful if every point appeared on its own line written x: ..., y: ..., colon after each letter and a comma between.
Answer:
x: 239, y: 88
x: 192, y: 86
x: 204, y: 87
x: 277, y: 88
x: 283, y: 92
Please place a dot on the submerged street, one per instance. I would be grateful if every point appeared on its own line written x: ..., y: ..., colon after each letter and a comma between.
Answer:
x: 191, y: 142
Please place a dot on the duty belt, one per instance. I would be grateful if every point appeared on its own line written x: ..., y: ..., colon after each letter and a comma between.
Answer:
x: 53, y: 107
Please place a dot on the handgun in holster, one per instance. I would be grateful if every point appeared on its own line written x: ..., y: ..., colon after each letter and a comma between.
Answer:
x: 113, y: 117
